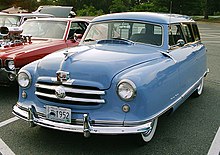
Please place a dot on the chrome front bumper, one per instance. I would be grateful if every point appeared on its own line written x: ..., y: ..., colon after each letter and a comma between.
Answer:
x: 86, y: 127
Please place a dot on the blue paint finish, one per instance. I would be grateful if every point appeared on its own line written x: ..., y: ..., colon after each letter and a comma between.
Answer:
x: 163, y: 77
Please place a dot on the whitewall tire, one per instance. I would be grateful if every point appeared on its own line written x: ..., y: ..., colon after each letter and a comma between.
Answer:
x: 146, y: 137
x: 199, y: 89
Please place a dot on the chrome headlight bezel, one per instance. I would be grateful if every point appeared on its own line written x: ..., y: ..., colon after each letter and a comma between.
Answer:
x: 24, y: 79
x: 126, y: 90
x: 10, y: 64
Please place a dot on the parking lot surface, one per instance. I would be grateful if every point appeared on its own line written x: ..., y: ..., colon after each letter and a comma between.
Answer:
x: 190, y: 130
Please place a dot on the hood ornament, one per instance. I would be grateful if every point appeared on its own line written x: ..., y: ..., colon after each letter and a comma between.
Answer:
x: 62, y: 76
x: 66, y: 53
x: 60, y: 92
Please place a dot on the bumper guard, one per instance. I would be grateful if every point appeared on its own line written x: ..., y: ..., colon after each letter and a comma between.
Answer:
x: 86, y: 128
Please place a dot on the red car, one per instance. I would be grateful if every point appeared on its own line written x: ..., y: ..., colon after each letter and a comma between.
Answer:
x: 35, y: 39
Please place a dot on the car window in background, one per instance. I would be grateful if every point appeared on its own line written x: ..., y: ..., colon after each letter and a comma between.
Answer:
x: 44, y: 29
x: 9, y: 21
x: 78, y: 28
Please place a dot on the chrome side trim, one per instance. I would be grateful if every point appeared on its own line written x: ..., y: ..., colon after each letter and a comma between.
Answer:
x: 70, y: 98
x: 71, y: 90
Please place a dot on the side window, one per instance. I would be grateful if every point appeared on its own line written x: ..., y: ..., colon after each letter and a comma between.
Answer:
x: 175, y: 34
x: 147, y: 33
x: 187, y: 31
x: 98, y: 31
x: 121, y: 30
x: 76, y: 27
x: 138, y: 28
x: 196, y: 32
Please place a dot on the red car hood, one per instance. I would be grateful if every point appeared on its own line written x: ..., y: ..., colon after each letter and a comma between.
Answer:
x: 35, y: 45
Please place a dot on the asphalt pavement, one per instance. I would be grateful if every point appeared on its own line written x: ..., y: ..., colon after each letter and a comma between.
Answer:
x: 191, y: 130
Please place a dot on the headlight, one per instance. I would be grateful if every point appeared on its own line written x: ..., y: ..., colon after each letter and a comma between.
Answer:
x: 126, y: 90
x: 24, y: 79
x: 11, y: 65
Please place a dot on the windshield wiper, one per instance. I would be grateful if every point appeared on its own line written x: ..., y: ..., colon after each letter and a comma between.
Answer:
x: 89, y: 39
x: 125, y: 40
x: 122, y: 39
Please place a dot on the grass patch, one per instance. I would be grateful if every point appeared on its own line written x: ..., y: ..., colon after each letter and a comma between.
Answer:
x: 212, y: 19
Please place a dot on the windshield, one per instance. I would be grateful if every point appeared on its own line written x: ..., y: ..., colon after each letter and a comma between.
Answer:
x: 135, y: 31
x: 9, y: 21
x: 44, y: 29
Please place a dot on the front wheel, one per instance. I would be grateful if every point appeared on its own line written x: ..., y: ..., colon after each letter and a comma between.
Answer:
x: 146, y: 137
x: 199, y: 89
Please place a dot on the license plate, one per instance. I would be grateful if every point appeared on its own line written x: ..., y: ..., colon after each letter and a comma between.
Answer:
x: 58, y: 114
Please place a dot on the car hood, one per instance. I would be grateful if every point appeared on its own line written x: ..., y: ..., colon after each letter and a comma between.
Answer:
x: 96, y: 64
x: 62, y: 12
x: 35, y: 45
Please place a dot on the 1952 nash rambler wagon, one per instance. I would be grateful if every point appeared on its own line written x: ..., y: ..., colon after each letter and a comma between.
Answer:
x: 129, y: 69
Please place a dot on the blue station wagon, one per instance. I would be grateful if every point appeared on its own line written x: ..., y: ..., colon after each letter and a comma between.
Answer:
x: 129, y: 69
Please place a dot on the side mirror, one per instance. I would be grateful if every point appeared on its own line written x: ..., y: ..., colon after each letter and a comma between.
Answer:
x: 77, y: 37
x: 180, y: 42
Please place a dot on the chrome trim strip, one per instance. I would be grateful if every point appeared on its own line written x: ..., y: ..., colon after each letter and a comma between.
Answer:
x: 71, y: 90
x: 70, y: 98
x: 20, y: 113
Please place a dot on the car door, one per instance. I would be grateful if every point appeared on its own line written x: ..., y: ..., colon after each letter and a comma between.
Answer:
x: 200, y: 52
x: 183, y: 51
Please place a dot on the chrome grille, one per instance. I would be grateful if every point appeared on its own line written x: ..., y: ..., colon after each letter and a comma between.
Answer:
x: 76, y: 95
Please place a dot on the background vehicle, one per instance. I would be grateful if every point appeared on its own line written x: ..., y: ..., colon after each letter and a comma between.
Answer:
x: 129, y: 70
x: 57, y: 11
x: 37, y: 38
x: 15, y: 20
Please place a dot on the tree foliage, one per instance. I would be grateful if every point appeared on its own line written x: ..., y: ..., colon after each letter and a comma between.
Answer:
x: 89, y: 11
x: 97, y: 7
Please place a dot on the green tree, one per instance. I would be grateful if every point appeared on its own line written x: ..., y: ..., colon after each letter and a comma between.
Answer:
x: 148, y: 6
x: 188, y: 7
x: 119, y: 6
x: 89, y: 11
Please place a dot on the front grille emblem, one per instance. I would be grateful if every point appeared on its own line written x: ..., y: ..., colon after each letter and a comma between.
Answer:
x: 60, y: 92
x: 62, y: 76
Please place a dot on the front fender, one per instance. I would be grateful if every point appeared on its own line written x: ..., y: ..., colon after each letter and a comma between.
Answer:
x: 157, y: 84
x: 32, y: 69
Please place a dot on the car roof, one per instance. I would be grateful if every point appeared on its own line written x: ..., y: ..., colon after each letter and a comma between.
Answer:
x: 163, y: 18
x: 60, y: 19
